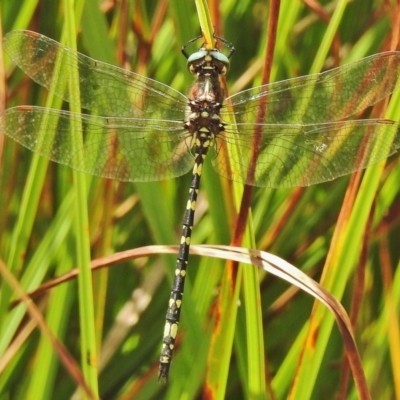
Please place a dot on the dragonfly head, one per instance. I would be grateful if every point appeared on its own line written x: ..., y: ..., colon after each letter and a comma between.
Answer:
x: 208, y: 61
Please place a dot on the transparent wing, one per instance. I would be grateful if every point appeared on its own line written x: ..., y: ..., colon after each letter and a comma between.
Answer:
x: 104, y: 88
x: 303, y: 155
x: 126, y: 149
x: 329, y: 96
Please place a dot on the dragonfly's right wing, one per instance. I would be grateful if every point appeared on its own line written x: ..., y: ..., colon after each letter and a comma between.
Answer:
x: 284, y: 156
x: 126, y: 149
x: 329, y: 96
x: 104, y: 88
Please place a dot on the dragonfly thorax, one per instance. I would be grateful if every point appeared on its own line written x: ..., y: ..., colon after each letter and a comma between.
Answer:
x: 204, y: 118
x: 206, y: 96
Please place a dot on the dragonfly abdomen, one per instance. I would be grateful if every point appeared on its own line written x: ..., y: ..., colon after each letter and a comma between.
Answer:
x: 175, y: 301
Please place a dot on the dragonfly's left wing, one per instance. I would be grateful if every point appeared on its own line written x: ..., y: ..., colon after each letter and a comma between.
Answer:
x: 283, y: 156
x: 102, y: 88
x: 126, y: 149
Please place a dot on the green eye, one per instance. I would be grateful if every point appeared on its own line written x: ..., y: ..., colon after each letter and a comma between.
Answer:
x: 216, y: 55
x: 213, y: 56
x: 197, y: 56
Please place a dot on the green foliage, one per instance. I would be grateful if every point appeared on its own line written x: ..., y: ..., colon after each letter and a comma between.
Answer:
x: 349, y: 242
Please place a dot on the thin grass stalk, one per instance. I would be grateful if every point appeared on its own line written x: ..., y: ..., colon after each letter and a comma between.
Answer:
x: 85, y: 285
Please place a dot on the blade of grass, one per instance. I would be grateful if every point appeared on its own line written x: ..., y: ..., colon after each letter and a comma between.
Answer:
x: 35, y: 313
x: 328, y: 37
x: 206, y: 25
x: 85, y: 285
x: 226, y: 310
x: 42, y: 385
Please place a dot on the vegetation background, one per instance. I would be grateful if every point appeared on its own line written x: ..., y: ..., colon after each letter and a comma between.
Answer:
x: 344, y: 232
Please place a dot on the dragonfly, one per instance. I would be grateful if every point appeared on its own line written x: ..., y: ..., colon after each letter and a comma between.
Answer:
x: 295, y: 132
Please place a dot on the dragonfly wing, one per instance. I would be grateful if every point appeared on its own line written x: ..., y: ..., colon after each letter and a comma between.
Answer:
x: 329, y: 96
x: 104, y: 88
x: 126, y: 149
x: 283, y: 156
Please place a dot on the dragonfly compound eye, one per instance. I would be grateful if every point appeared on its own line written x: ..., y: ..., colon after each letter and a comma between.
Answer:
x: 208, y: 59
